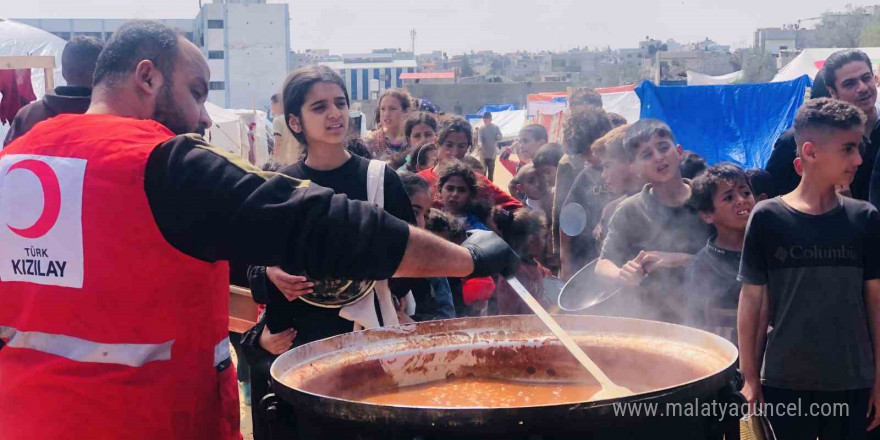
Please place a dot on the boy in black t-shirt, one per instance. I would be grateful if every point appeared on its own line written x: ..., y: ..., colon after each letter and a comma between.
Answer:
x: 811, y: 256
x: 653, y: 234
x: 723, y: 196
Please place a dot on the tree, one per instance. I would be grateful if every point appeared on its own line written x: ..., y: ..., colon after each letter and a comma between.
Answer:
x: 757, y: 65
x: 843, y: 29
x: 466, y: 69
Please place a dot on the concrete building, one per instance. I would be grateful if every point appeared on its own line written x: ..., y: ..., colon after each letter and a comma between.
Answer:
x: 246, y: 43
x: 774, y: 40
x: 368, y: 75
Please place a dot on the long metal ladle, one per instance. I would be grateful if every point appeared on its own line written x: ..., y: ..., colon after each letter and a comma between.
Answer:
x: 610, y: 390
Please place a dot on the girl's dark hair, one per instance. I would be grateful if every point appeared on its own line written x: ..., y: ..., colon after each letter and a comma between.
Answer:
x: 516, y: 227
x: 691, y: 165
x: 298, y: 85
x: 455, y: 124
x: 400, y: 95
x: 420, y: 157
x: 439, y: 222
x: 704, y: 186
x: 417, y: 119
x: 412, y: 183
x: 458, y: 168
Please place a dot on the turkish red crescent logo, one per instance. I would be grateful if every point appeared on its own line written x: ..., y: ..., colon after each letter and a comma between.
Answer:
x: 51, y: 197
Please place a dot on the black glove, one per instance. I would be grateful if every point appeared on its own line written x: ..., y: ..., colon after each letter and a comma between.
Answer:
x: 491, y: 254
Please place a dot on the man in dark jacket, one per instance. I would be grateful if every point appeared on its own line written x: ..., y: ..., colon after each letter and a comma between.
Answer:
x: 848, y: 76
x: 77, y: 67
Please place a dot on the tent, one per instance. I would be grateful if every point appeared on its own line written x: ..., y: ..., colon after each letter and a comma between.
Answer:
x: 621, y: 100
x: 811, y: 60
x: 546, y: 103
x: 701, y: 79
x: 229, y: 132
x: 731, y: 123
x: 491, y: 108
x: 21, y: 39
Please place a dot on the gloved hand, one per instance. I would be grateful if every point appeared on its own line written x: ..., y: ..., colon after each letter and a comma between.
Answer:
x: 491, y: 254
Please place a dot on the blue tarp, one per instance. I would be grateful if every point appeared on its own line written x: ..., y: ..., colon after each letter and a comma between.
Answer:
x: 492, y: 108
x: 731, y: 123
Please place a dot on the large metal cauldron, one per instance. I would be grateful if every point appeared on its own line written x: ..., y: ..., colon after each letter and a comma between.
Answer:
x: 661, y: 362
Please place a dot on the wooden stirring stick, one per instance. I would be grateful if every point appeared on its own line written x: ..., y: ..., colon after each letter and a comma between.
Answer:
x: 610, y: 390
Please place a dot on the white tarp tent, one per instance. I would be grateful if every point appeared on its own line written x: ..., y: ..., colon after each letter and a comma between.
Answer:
x: 626, y: 104
x: 229, y: 132
x: 18, y: 39
x: 510, y: 122
x: 811, y: 60
x: 701, y: 79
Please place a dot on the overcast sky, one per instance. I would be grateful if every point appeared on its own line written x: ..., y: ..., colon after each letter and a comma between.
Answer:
x: 455, y: 26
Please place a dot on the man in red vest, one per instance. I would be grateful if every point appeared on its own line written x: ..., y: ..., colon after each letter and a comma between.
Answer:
x: 115, y: 229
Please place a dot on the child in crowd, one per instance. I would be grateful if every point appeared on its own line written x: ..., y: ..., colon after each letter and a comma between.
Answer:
x: 582, y: 126
x: 388, y: 138
x: 762, y: 184
x: 547, y: 162
x: 432, y: 296
x: 474, y: 164
x: 584, y: 96
x: 811, y: 257
x: 653, y: 234
x: 455, y: 139
x: 530, y: 188
x: 470, y: 296
x: 531, y: 138
x: 420, y: 129
x: 619, y: 178
x: 724, y: 199
x: 525, y: 230
x: 588, y: 195
x: 422, y: 158
x: 458, y: 191
x: 692, y: 164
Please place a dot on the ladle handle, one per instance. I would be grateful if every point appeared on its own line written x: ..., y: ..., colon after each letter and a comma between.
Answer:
x: 560, y: 334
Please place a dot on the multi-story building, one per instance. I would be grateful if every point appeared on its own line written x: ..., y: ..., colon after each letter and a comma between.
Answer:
x: 246, y: 42
x: 368, y: 75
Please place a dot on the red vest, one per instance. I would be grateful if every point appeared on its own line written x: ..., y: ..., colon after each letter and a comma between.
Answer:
x: 109, y: 331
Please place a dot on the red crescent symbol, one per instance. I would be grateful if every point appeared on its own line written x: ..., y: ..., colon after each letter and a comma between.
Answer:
x: 51, y: 198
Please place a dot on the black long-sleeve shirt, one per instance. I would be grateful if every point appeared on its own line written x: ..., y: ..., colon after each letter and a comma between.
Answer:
x: 213, y: 206
x: 785, y: 179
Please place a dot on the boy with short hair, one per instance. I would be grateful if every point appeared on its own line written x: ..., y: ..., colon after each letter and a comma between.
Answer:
x: 530, y: 188
x: 588, y: 196
x: 762, y: 184
x: 531, y: 138
x: 619, y: 178
x: 490, y: 134
x: 653, y: 234
x: 811, y: 257
x: 547, y: 161
x: 724, y: 199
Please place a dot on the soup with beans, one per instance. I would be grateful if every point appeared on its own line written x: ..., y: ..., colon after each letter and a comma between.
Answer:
x: 485, y: 393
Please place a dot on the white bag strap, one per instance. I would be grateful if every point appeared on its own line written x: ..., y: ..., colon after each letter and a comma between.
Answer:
x: 363, y: 312
x: 376, y: 183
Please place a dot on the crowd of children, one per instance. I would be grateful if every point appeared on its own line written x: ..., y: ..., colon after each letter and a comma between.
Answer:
x: 688, y: 243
